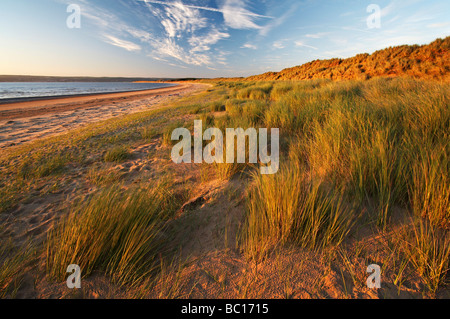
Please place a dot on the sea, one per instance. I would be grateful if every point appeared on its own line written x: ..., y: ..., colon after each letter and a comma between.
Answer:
x: 24, y: 90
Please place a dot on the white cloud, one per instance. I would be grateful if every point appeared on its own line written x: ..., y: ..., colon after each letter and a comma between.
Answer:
x: 316, y: 35
x: 237, y: 17
x: 235, y: 14
x: 157, y: 58
x: 438, y: 25
x: 168, y: 48
x: 127, y: 45
x: 184, y: 27
x: 182, y: 32
x: 177, y: 65
x: 180, y: 18
x: 203, y: 43
x: 170, y: 27
x: 249, y: 46
x: 302, y: 44
x: 278, y: 45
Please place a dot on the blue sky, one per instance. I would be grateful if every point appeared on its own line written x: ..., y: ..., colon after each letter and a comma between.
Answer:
x: 203, y: 38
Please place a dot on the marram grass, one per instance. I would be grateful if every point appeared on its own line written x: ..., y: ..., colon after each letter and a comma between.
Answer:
x: 116, y: 231
x: 288, y: 207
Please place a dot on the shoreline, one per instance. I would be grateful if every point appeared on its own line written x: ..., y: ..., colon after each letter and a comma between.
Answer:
x: 56, y: 97
x: 27, y: 121
x: 46, y: 105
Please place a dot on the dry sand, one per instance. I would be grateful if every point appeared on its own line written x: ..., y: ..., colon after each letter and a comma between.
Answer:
x: 23, y: 122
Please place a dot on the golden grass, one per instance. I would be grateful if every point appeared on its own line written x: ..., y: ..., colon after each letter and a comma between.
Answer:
x: 373, y: 146
x: 116, y: 231
x: 429, y: 61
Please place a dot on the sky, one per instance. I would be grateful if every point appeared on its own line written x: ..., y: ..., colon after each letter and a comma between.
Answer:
x: 204, y: 38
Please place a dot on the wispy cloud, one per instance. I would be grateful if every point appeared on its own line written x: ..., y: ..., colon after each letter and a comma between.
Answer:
x: 180, y: 18
x: 192, y: 36
x: 316, y: 35
x: 204, y: 42
x: 178, y: 31
x: 278, y: 21
x: 245, y: 12
x: 302, y: 44
x: 234, y: 13
x: 278, y: 45
x: 127, y: 45
x: 249, y: 46
x: 187, y: 37
x: 169, y: 48
x: 236, y: 16
x: 438, y: 25
x: 388, y: 9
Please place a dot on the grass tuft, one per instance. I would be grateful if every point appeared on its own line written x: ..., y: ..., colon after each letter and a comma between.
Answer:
x: 117, y: 154
x: 288, y: 207
x: 116, y: 231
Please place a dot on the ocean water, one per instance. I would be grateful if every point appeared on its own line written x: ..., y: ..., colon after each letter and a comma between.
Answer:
x: 15, y: 90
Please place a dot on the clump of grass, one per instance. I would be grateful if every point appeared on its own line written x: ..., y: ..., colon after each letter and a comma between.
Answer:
x: 428, y: 249
x: 258, y: 91
x: 41, y: 166
x: 280, y: 89
x: 207, y: 120
x: 217, y: 106
x: 377, y: 170
x: 430, y: 187
x: 54, y: 165
x: 254, y: 112
x: 280, y: 115
x: 287, y: 207
x: 226, y: 171
x: 8, y: 195
x: 167, y: 133
x: 148, y: 133
x: 12, y: 262
x: 222, y: 122
x: 233, y: 107
x: 100, y: 177
x: 195, y: 110
x: 25, y: 170
x: 115, y: 231
x: 117, y: 154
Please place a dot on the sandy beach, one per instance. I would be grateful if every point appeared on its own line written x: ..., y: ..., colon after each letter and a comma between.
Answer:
x: 22, y: 122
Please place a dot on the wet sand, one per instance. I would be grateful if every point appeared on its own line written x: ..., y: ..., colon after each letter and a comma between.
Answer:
x: 23, y: 122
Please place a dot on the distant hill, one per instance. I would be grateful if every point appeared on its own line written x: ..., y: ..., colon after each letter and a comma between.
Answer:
x: 431, y: 61
x: 32, y: 78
